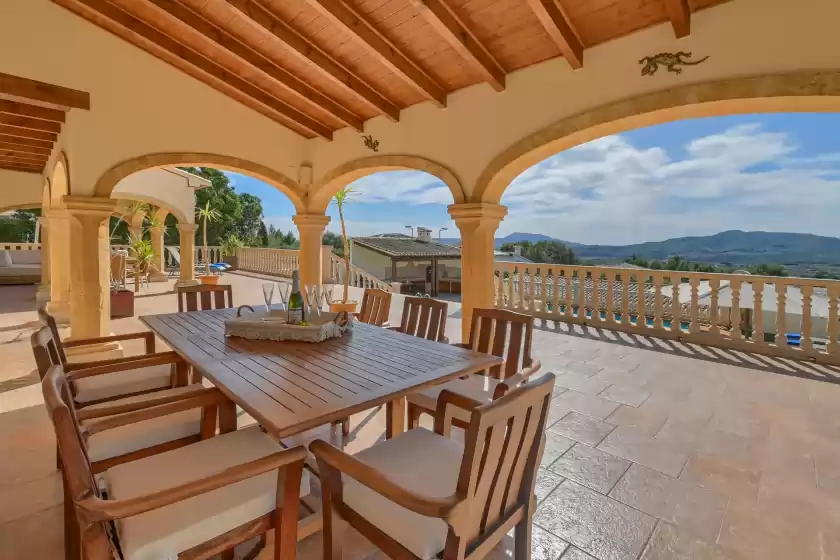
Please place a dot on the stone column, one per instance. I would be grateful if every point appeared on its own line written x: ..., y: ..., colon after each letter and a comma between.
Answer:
x: 311, y: 231
x: 187, y: 255
x: 157, y: 274
x: 478, y: 223
x: 43, y: 293
x: 59, y: 264
x: 90, y: 270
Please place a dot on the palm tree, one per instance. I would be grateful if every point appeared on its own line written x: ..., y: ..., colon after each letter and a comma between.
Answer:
x: 341, y: 198
x: 208, y: 215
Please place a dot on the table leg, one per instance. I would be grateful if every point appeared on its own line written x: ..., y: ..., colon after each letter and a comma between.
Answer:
x: 227, y: 417
x: 395, y: 418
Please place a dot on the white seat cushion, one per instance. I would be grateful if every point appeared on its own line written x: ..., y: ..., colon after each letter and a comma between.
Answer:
x: 126, y: 382
x: 418, y: 460
x: 477, y: 387
x: 163, y: 533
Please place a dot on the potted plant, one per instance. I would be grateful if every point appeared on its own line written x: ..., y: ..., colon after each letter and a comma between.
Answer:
x: 229, y: 247
x: 207, y: 214
x: 345, y: 305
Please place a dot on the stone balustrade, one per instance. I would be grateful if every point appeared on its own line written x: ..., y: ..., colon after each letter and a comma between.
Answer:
x: 792, y: 317
x: 9, y: 246
x: 358, y: 277
x: 278, y: 262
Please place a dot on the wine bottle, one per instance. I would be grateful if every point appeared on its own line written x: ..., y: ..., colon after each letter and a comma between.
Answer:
x: 295, y: 301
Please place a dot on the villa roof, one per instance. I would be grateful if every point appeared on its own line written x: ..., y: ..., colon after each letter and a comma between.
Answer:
x: 407, y: 247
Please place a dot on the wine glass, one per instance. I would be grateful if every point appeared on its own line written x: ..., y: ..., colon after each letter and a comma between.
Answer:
x: 283, y: 292
x: 268, y: 293
x: 314, y: 295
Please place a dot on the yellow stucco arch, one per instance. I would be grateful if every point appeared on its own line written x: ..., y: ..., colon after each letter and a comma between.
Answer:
x: 106, y: 183
x: 59, y: 181
x: 804, y: 91
x: 322, y: 191
x: 13, y: 207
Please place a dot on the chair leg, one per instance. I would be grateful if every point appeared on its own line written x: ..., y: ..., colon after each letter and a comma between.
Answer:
x: 227, y: 554
x: 334, y: 531
x: 345, y: 428
x: 72, y: 538
x: 522, y: 538
x: 413, y: 412
x: 59, y: 466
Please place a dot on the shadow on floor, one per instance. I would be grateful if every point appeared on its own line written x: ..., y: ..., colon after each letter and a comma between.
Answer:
x: 30, y: 378
x: 784, y: 366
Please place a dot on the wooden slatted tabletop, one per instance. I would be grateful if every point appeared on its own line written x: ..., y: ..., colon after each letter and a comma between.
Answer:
x: 291, y: 387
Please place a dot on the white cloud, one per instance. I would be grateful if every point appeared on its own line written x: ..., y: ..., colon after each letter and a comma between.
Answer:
x: 405, y: 187
x: 362, y: 228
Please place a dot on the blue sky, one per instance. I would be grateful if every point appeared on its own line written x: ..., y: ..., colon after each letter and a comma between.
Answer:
x: 777, y: 172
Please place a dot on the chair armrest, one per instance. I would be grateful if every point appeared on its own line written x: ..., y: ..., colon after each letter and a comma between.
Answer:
x: 156, y: 360
x: 211, y: 397
x: 331, y: 458
x: 148, y: 401
x: 94, y: 510
x: 397, y: 329
x: 443, y: 415
x: 149, y: 336
x: 126, y: 359
x: 463, y: 345
x: 516, y: 379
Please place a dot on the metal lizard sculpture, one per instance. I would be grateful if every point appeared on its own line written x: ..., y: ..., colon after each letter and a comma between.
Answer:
x: 670, y: 60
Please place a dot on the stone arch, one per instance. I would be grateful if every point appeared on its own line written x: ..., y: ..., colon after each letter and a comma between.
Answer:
x: 59, y: 181
x: 106, y: 183
x: 321, y: 192
x: 13, y: 207
x: 804, y: 91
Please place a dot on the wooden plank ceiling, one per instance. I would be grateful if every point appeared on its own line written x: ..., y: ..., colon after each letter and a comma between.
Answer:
x: 317, y: 66
x: 31, y: 115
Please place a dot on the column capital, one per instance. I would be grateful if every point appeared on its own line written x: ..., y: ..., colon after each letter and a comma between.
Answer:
x: 96, y: 206
x: 186, y: 228
x: 319, y: 221
x: 483, y: 212
x: 43, y: 221
x: 157, y: 230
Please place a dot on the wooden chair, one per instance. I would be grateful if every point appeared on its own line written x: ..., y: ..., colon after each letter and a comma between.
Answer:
x: 422, y: 492
x: 210, y: 296
x: 118, y: 269
x: 425, y: 318
x: 492, y: 331
x: 376, y: 307
x: 126, y: 442
x: 194, y: 502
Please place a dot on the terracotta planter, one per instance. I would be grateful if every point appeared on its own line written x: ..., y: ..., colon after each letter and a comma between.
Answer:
x: 122, y: 303
x: 211, y: 279
x: 232, y: 260
x: 338, y: 307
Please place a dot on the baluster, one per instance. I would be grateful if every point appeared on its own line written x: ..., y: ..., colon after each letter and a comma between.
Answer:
x: 676, y: 304
x: 555, y: 295
x: 596, y: 295
x: 758, y: 312
x: 581, y: 275
x: 568, y: 279
x: 658, y: 314
x: 694, y: 313
x: 735, y: 310
x: 714, y: 312
x: 625, y: 298
x: 806, y: 343
x: 641, y: 320
x: 527, y: 300
x: 781, y: 327
x: 833, y: 343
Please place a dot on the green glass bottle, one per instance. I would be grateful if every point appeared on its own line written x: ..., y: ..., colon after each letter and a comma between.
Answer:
x: 295, y: 301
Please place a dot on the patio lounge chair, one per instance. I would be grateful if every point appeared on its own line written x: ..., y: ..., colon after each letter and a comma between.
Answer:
x: 174, y: 265
x: 193, y: 502
x: 423, y: 493
x: 489, y: 335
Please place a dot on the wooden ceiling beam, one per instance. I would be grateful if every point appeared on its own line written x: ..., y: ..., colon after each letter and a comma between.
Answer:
x: 27, y: 133
x: 560, y: 30
x: 22, y: 149
x: 34, y: 111
x: 12, y: 167
x: 679, y: 12
x: 166, y: 44
x: 306, y: 51
x: 30, y: 123
x: 458, y: 35
x: 22, y: 162
x: 24, y: 88
x: 304, y: 92
x: 37, y: 158
x: 29, y: 142
x: 380, y: 47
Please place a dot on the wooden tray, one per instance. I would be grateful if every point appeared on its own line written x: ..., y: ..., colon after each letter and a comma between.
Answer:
x: 261, y: 325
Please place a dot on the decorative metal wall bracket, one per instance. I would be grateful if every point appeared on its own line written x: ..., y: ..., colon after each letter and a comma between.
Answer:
x: 370, y: 143
x: 671, y: 61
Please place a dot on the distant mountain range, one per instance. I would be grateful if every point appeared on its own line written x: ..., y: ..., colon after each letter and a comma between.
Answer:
x: 733, y: 247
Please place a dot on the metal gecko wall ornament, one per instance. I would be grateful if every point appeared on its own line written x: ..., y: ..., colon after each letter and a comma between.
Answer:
x: 672, y: 61
x: 370, y: 143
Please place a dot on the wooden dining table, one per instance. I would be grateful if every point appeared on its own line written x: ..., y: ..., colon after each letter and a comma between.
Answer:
x: 291, y: 387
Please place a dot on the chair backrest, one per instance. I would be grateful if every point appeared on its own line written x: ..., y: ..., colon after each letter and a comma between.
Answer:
x: 78, y: 474
x: 175, y: 254
x: 376, y: 307
x: 505, y: 334
x: 209, y: 296
x: 49, y: 343
x: 118, y: 262
x: 501, y: 456
x: 424, y: 318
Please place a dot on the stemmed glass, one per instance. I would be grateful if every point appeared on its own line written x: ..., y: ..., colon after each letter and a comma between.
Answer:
x: 283, y: 292
x: 314, y: 295
x: 268, y: 293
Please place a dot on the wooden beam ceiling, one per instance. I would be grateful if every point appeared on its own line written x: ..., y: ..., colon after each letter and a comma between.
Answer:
x: 30, y: 123
x: 150, y: 37
x: 305, y: 50
x: 560, y: 30
x: 21, y: 169
x: 380, y: 47
x: 303, y: 91
x: 23, y: 149
x: 16, y: 88
x: 457, y: 34
x: 31, y: 142
x: 679, y: 13
x: 27, y: 133
x: 34, y: 111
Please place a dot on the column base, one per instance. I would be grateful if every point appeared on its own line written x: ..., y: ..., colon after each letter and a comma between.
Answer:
x: 60, y: 310
x: 94, y: 352
x: 42, y: 295
x: 158, y: 277
x: 182, y: 282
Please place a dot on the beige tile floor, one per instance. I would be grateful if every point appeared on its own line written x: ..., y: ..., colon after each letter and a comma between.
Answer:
x: 656, y: 450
